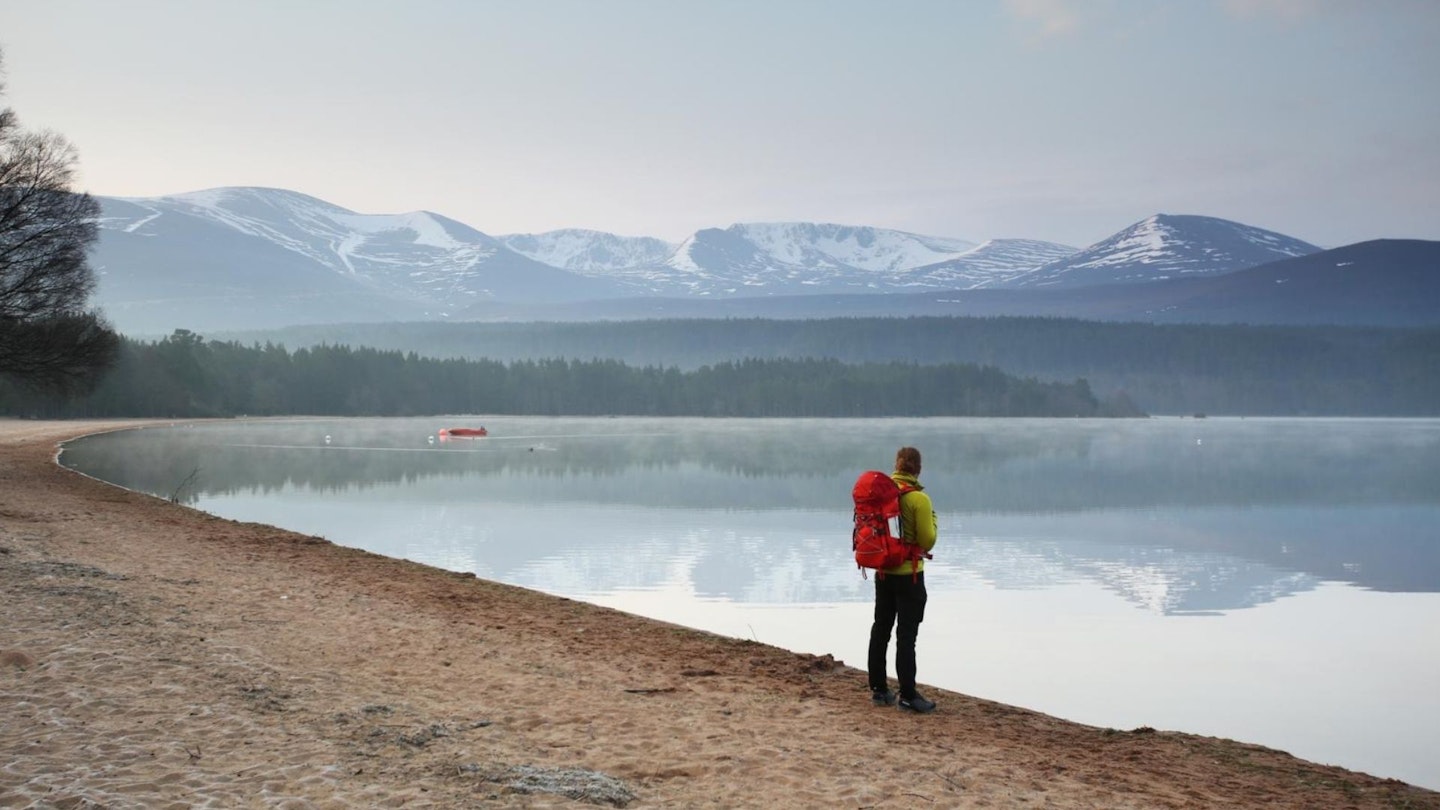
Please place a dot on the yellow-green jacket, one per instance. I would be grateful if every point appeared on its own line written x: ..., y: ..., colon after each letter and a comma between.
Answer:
x: 917, y: 521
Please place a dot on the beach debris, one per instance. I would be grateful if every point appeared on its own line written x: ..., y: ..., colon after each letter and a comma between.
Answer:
x: 578, y: 784
x: 179, y: 494
x: 422, y: 737
x: 654, y: 690
x: 1110, y: 732
x: 820, y: 663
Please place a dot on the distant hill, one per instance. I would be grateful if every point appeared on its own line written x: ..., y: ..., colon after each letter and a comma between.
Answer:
x: 1384, y: 282
x: 252, y: 257
x: 586, y: 251
x: 238, y: 258
x: 995, y: 263
x: 1167, y: 246
x: 234, y: 259
x: 790, y: 258
x: 1388, y: 282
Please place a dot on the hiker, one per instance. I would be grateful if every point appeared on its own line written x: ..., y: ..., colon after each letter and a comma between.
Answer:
x: 900, y: 593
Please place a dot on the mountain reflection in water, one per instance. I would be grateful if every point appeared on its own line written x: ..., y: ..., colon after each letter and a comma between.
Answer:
x: 1174, y: 515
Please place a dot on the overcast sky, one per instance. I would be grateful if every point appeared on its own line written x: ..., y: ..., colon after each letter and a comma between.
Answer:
x: 1063, y: 120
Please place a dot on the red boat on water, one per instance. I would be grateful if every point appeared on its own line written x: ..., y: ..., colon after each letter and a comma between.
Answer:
x: 463, y: 433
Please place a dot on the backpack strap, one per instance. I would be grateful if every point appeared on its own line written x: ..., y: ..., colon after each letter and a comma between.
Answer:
x: 916, y: 554
x: 905, y: 489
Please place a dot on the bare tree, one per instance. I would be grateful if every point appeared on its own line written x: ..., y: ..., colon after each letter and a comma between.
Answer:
x: 48, y: 337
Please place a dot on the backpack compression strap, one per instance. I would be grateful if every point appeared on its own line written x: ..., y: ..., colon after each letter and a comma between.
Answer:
x: 917, y: 553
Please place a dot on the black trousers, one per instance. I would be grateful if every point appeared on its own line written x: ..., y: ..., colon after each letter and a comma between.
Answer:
x: 899, y: 603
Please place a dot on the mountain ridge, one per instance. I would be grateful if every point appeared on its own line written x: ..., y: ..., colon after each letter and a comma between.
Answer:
x: 1164, y: 246
x: 238, y: 258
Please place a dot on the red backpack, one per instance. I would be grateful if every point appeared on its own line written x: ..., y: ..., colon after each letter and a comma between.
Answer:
x: 877, y: 502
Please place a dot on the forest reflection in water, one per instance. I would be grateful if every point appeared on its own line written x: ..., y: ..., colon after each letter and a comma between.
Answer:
x: 1208, y: 503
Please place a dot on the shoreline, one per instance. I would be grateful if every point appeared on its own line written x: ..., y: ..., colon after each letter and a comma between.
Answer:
x: 153, y: 655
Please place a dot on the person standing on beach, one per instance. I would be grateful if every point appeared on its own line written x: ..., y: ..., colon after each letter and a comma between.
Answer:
x: 900, y: 593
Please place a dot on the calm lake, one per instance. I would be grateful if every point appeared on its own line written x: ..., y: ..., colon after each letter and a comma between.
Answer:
x: 1275, y: 581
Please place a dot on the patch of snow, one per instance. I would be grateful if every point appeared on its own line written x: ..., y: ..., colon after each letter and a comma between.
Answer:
x: 346, y: 248
x: 682, y: 260
x: 137, y: 224
x: 873, y: 249
x: 427, y: 230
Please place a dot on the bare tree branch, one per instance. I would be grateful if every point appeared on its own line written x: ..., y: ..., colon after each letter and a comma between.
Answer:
x: 48, y: 336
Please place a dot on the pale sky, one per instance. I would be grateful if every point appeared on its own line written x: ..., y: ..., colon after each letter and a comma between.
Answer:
x: 1063, y: 120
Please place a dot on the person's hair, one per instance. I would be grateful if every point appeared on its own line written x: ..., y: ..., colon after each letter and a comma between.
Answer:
x: 907, y: 460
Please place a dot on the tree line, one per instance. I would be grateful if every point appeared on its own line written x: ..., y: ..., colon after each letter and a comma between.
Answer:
x: 1164, y: 368
x: 186, y: 376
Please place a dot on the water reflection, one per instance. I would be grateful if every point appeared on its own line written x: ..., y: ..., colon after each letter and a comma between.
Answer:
x: 1175, y: 516
x: 1066, y: 546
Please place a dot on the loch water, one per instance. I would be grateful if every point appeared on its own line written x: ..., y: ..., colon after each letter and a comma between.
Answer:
x: 1275, y: 581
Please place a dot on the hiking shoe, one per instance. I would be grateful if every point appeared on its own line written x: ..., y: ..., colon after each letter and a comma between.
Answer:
x: 917, y: 704
x: 882, y: 697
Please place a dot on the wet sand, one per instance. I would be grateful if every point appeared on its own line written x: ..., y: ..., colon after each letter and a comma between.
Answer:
x: 154, y: 656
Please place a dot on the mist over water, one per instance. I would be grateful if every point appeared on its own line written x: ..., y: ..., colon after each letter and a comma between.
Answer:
x: 1271, y: 580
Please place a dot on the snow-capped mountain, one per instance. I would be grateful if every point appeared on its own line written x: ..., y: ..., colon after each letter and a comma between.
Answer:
x: 235, y: 255
x: 1167, y: 246
x: 800, y: 257
x: 771, y: 259
x: 232, y: 258
x: 991, y: 264
x: 589, y: 252
x: 256, y: 258
x: 1389, y: 282
x: 635, y: 261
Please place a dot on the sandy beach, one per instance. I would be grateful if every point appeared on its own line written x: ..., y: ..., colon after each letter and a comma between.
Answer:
x: 152, y: 656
